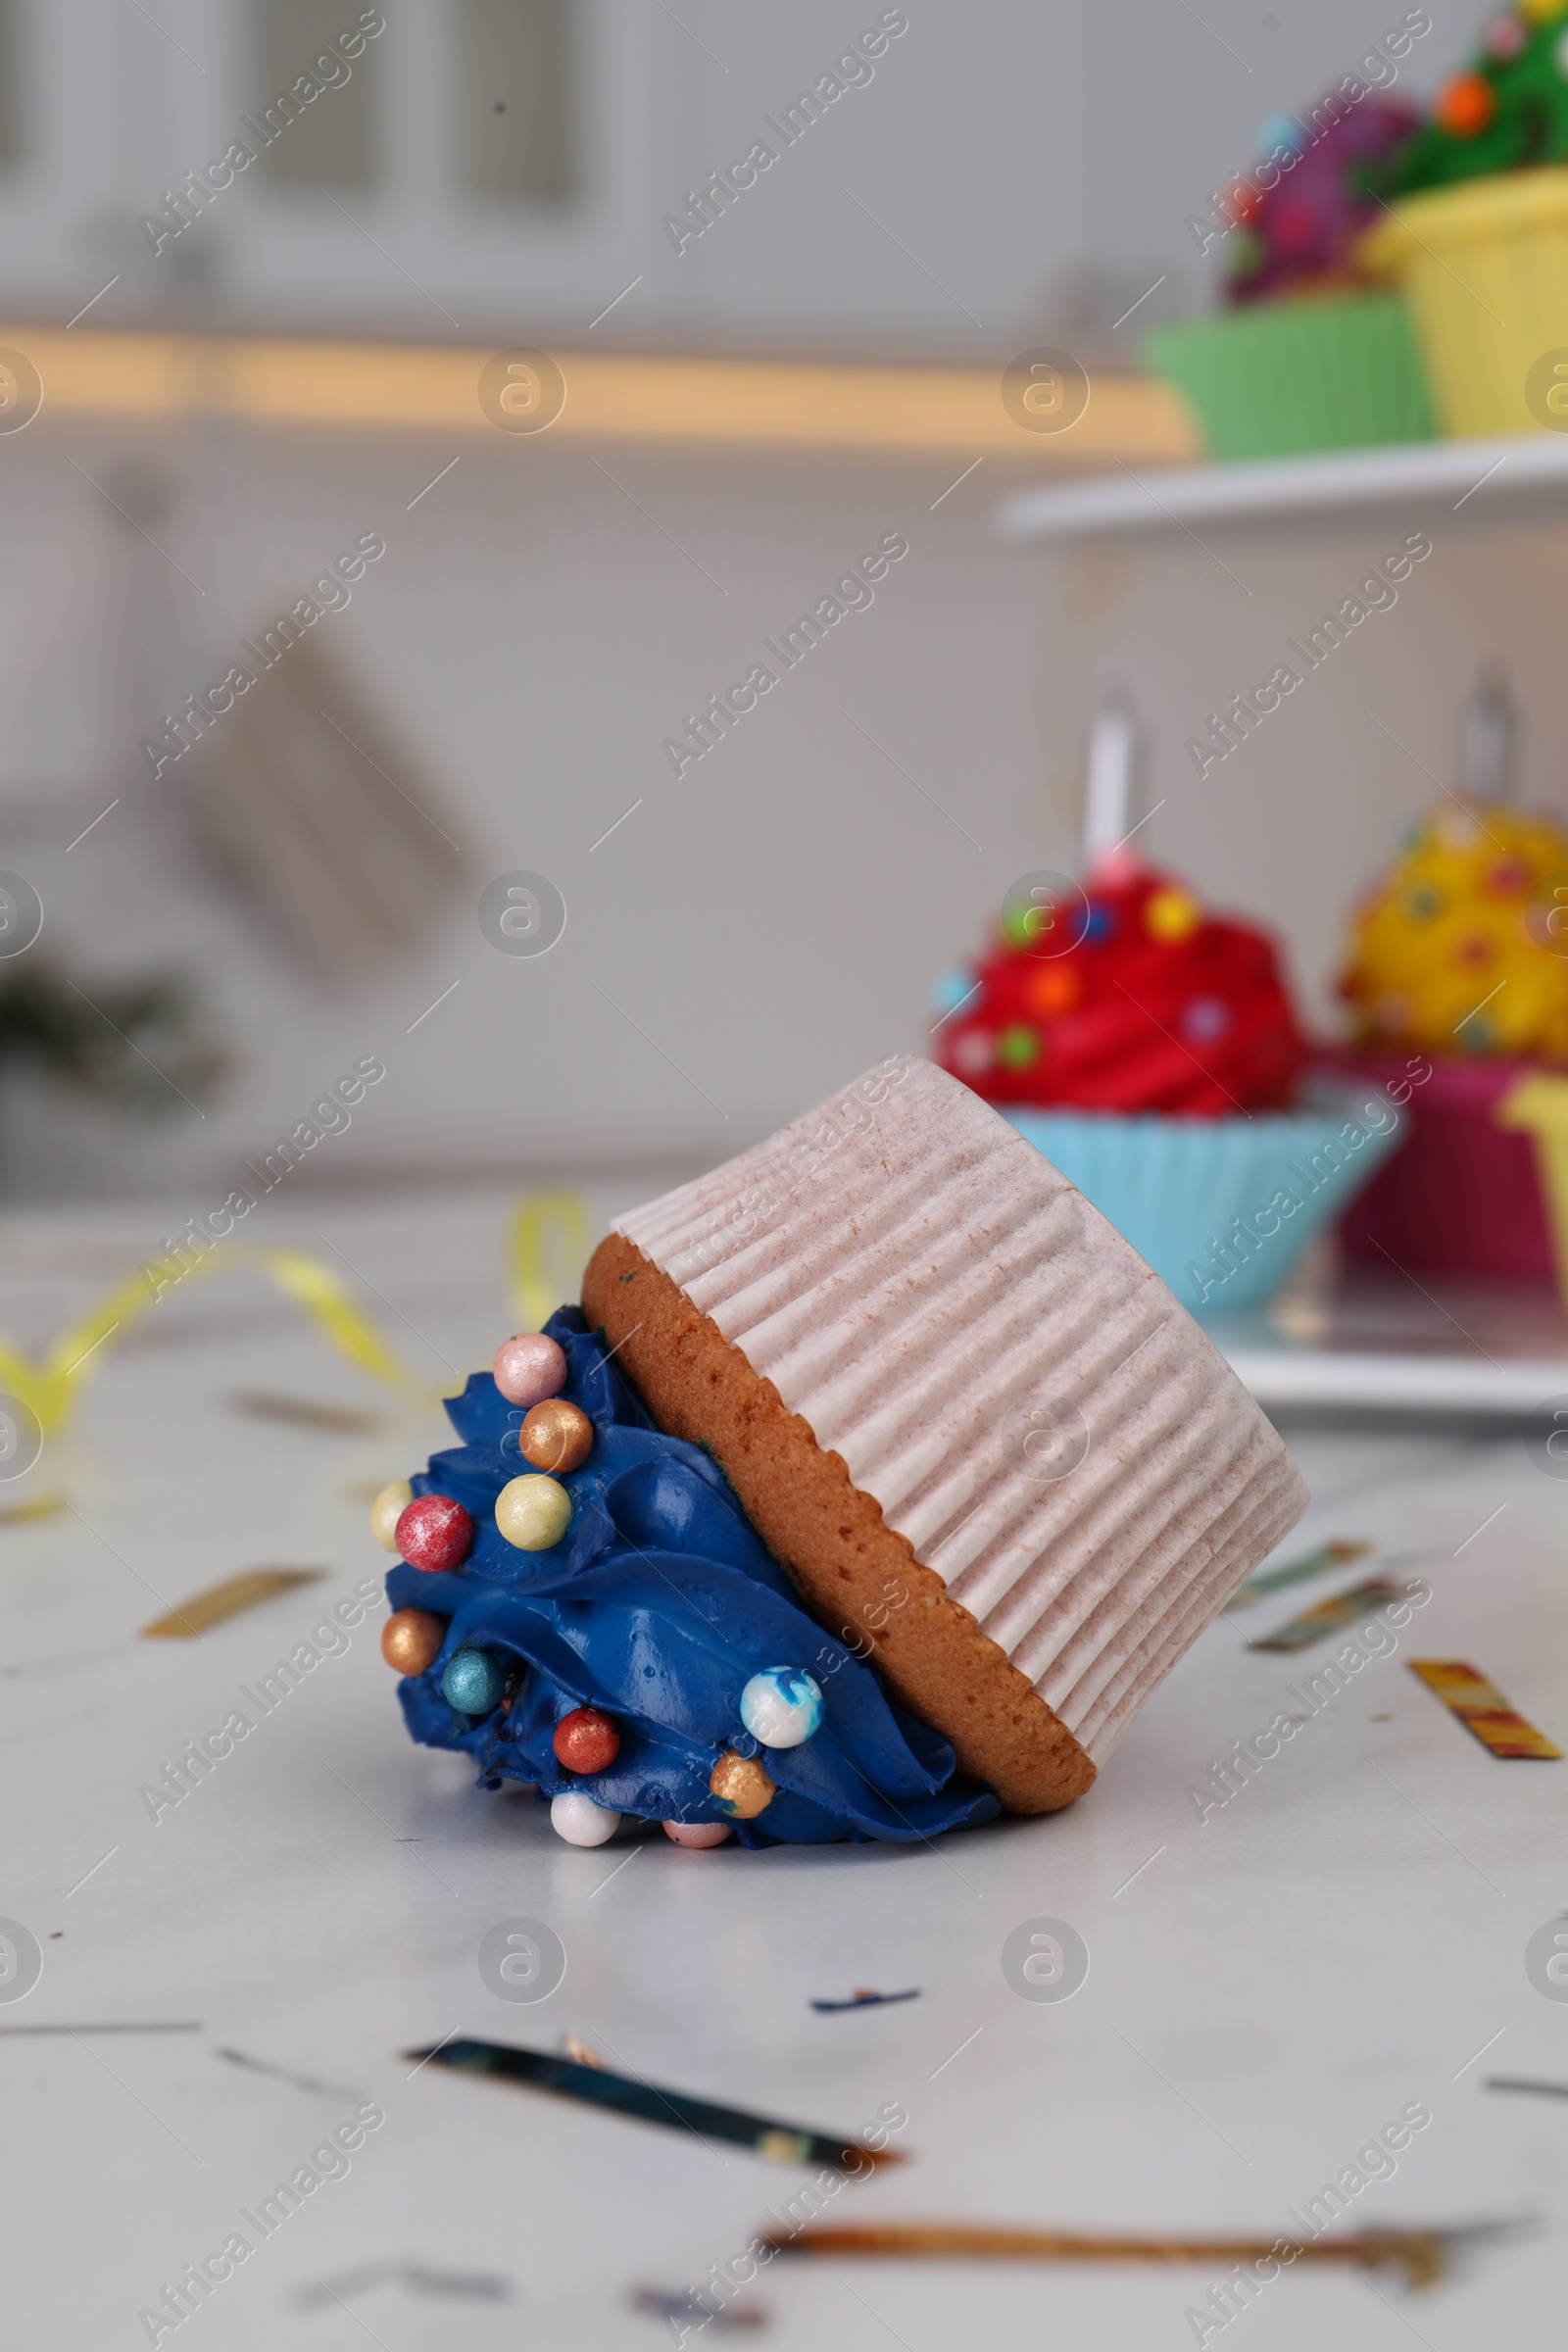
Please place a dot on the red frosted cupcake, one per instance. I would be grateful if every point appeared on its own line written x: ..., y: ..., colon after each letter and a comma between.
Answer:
x: 1149, y: 1049
x: 1154, y: 1005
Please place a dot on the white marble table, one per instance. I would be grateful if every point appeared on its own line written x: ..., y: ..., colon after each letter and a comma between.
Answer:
x: 1267, y: 1987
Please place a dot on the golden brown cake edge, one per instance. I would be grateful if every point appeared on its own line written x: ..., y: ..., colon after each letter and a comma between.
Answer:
x: 860, y: 1579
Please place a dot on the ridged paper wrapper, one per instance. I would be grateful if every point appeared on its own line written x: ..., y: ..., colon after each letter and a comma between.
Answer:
x: 1180, y: 1188
x: 999, y: 1369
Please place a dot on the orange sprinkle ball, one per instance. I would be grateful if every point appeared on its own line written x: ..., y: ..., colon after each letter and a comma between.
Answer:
x: 1465, y: 106
x: 411, y: 1638
x: 741, y: 1786
x: 555, y: 1436
x: 1051, y: 990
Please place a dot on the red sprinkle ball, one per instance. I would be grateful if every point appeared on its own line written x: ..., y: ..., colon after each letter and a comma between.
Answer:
x: 586, y: 1741
x: 433, y: 1531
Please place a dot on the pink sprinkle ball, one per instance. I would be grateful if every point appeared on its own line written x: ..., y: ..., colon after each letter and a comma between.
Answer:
x: 698, y: 1833
x: 530, y: 1367
x: 434, y: 1532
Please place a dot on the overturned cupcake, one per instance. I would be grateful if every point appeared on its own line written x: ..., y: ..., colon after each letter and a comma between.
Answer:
x: 906, y: 1486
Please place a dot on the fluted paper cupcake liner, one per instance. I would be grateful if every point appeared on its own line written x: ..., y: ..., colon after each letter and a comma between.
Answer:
x: 1274, y: 379
x: 1484, y: 267
x: 1222, y: 1208
x: 1024, y: 1399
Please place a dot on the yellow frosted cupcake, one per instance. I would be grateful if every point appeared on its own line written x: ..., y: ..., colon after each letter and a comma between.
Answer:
x: 1463, y: 947
x: 1457, y: 983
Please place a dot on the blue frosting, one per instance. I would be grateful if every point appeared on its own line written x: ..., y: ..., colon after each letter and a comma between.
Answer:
x: 658, y: 1605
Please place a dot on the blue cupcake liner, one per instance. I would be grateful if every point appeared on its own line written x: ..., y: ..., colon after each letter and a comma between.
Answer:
x: 1221, y: 1209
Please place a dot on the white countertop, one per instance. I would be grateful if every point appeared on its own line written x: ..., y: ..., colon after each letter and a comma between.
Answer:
x: 1274, y: 1987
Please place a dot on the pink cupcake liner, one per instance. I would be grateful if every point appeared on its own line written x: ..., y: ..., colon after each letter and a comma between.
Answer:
x: 998, y: 1368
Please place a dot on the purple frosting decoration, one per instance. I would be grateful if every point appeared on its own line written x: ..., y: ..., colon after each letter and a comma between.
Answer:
x: 1305, y: 229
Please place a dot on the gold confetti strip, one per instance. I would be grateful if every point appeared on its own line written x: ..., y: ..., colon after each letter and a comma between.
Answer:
x: 244, y: 1592
x: 304, y: 1412
x: 1482, y: 1708
x: 265, y: 2066
x: 581, y: 2051
x: 37, y: 1506
x: 1340, y: 1609
x: 674, y: 2110
x: 1328, y: 1556
x: 1424, y: 2256
x: 1553, y: 2090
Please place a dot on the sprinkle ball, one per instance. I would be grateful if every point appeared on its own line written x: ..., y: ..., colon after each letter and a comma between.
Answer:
x: 741, y: 1786
x: 586, y: 1741
x: 1465, y: 106
x: 473, y: 1682
x: 698, y: 1833
x: 433, y: 1531
x: 387, y: 1509
x: 1281, y: 131
x: 1055, y: 988
x: 555, y: 1436
x: 782, y: 1706
x: 953, y: 989
x: 411, y: 1638
x: 575, y: 1817
x: 1172, y: 915
x: 529, y: 1367
x: 533, y: 1513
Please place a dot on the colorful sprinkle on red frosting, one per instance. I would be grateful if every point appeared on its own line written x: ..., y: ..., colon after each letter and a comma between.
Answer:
x: 1154, y: 1006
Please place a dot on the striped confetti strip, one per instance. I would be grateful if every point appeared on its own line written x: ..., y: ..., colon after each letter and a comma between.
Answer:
x: 1482, y: 1708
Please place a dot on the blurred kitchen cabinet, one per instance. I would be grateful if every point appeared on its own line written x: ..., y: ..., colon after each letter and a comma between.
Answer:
x: 424, y: 165
x: 522, y: 170
x: 957, y: 180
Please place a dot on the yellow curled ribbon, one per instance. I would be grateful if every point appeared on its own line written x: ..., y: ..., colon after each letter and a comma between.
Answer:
x: 546, y: 1252
x: 1539, y: 1105
x: 547, y: 1245
x: 47, y: 1386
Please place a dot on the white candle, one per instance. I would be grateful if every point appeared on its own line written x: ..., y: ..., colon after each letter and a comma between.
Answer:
x: 1108, y: 794
x: 1486, y: 727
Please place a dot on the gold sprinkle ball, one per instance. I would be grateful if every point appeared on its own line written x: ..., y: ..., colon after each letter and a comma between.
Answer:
x: 741, y: 1786
x: 533, y: 1513
x: 386, y: 1510
x: 555, y: 1436
x: 411, y: 1638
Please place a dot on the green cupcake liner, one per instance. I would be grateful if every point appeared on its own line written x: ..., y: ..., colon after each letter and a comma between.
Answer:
x: 1282, y: 378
